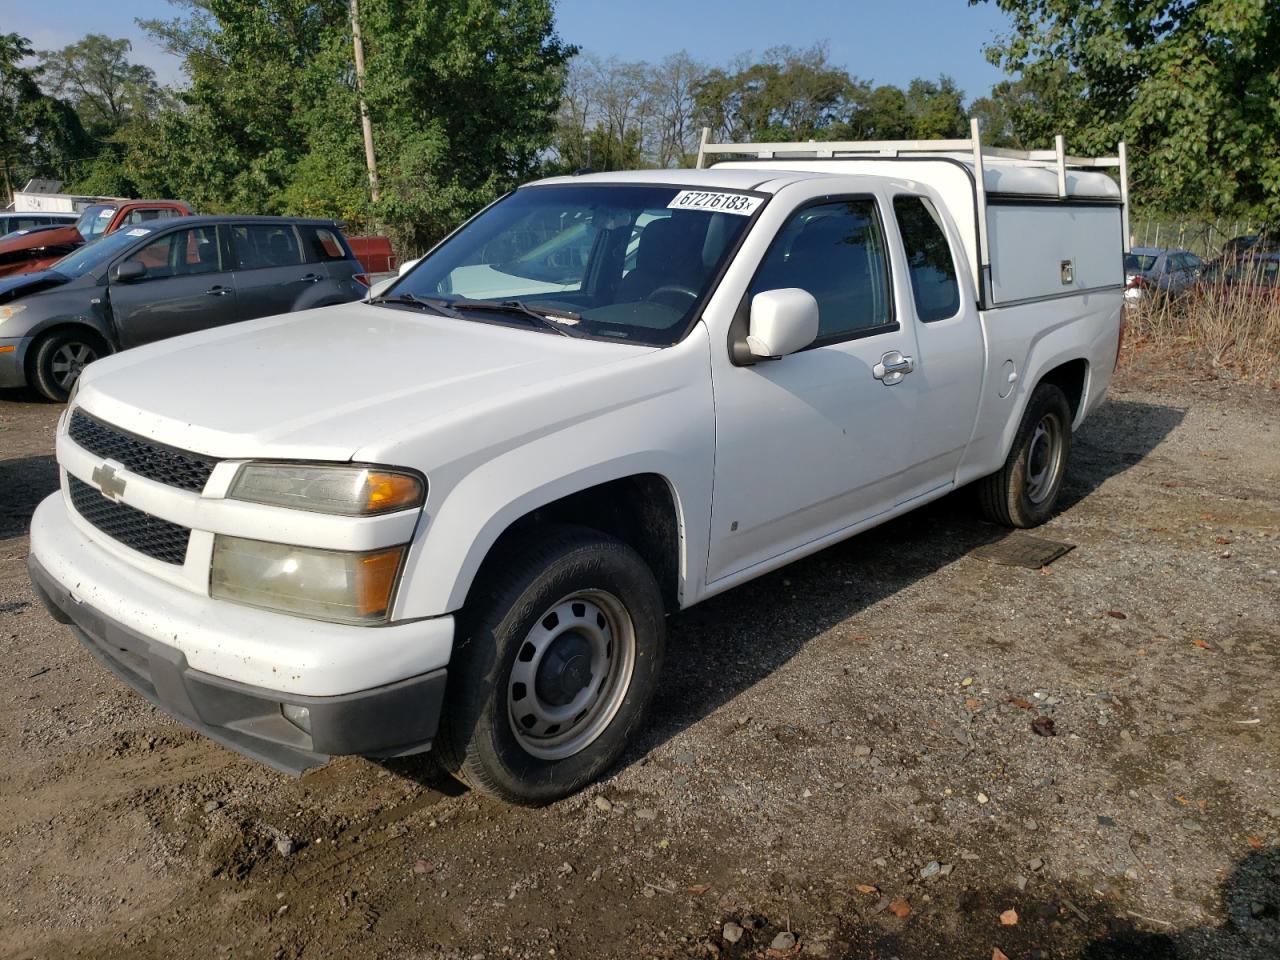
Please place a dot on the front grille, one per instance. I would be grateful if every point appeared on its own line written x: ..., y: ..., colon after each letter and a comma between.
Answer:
x: 140, y: 531
x: 155, y: 461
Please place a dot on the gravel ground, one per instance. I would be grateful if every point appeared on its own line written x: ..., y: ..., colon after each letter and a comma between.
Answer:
x: 842, y: 762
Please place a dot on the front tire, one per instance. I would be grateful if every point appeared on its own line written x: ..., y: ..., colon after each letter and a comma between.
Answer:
x: 1024, y: 492
x: 556, y: 663
x: 59, y: 358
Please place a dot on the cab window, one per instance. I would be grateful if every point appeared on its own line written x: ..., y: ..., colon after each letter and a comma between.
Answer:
x: 836, y: 251
x: 145, y: 214
x: 933, y: 270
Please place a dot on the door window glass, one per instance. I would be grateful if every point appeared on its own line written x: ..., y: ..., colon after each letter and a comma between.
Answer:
x: 181, y: 253
x: 933, y: 270
x: 836, y: 252
x: 259, y: 245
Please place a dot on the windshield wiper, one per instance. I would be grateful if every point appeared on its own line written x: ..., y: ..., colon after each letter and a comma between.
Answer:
x: 442, y: 307
x: 551, y: 319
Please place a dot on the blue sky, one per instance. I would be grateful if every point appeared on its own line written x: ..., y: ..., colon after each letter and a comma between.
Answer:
x: 886, y: 41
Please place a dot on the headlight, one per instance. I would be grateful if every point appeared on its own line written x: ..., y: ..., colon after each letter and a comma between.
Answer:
x: 11, y: 310
x: 323, y: 584
x: 354, y: 491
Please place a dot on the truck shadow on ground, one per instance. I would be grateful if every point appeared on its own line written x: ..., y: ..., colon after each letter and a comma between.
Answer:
x: 725, y: 645
x: 24, y: 482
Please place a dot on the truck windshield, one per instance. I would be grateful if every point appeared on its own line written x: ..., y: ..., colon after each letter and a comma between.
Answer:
x: 93, y: 255
x: 611, y: 261
x: 95, y: 219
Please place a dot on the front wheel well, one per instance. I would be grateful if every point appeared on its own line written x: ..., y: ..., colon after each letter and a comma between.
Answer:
x: 1070, y: 378
x: 639, y: 510
x: 58, y: 327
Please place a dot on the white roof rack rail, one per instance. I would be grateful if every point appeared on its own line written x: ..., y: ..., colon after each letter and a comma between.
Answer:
x: 1057, y: 158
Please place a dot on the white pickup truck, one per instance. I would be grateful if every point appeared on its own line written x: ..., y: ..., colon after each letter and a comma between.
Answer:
x: 455, y: 516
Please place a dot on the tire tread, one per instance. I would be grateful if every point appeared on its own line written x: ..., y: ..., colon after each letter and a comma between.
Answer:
x: 491, y: 600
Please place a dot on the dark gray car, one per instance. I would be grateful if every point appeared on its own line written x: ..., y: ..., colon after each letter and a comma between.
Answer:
x: 160, y: 280
x: 1153, y: 270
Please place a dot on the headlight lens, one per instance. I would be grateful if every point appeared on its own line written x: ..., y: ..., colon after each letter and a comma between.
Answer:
x: 323, y: 584
x: 11, y: 310
x: 353, y: 491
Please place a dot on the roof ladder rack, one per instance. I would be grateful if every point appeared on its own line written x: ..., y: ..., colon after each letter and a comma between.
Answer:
x: 1057, y: 159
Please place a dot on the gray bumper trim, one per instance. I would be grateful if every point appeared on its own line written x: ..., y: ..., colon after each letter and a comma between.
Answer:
x: 394, y: 720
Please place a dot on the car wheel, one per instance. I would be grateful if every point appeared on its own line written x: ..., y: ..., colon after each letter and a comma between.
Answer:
x: 555, y: 663
x: 59, y: 358
x: 1025, y: 491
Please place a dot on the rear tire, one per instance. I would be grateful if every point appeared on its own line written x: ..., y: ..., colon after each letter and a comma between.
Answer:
x: 1024, y: 492
x: 555, y: 664
x: 58, y: 359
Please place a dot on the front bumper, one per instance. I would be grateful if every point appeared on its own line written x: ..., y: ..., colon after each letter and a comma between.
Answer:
x: 13, y: 370
x: 393, y: 720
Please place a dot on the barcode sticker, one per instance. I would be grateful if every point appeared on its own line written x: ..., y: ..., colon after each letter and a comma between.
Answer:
x: 716, y: 202
x: 137, y: 232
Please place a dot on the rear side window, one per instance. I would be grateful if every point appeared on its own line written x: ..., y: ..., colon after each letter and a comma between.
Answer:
x: 259, y: 245
x: 321, y: 244
x: 933, y: 270
x: 836, y: 252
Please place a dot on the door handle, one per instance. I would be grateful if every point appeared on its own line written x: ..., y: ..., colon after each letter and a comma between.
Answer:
x: 310, y: 278
x: 893, y: 366
x: 218, y: 291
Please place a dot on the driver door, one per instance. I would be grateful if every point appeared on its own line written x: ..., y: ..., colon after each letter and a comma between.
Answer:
x: 815, y: 442
x: 185, y: 288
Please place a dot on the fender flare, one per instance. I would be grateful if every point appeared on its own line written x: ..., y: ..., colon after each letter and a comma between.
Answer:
x: 482, y: 537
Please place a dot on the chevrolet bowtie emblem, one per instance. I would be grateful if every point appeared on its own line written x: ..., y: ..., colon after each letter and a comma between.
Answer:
x: 109, y: 482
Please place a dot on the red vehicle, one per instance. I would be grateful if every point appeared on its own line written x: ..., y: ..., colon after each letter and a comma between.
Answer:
x: 38, y: 249
x: 374, y: 253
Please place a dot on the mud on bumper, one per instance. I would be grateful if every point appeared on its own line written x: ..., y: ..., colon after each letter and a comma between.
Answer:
x: 393, y: 720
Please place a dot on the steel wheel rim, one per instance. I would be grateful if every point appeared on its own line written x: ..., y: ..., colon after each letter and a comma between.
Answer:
x: 1044, y: 459
x: 594, y: 621
x: 69, y: 360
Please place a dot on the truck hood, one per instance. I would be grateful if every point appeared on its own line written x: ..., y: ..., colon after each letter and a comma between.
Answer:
x: 322, y: 384
x: 39, y: 239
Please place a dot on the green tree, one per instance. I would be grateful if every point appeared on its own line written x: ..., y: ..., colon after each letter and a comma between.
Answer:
x: 879, y: 114
x: 95, y: 76
x: 264, y: 76
x: 936, y: 109
x: 117, y: 103
x: 39, y: 135
x: 1026, y: 113
x: 462, y: 93
x: 1192, y: 85
x: 790, y: 94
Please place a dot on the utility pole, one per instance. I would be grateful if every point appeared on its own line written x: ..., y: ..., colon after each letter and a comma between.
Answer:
x: 366, y: 125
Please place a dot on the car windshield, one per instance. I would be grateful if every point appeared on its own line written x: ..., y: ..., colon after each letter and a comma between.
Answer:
x: 93, y: 222
x: 93, y: 255
x: 1139, y: 262
x: 611, y: 261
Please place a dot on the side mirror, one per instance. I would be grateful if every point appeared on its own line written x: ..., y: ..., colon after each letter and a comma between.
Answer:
x: 129, y: 271
x: 406, y: 267
x: 782, y: 322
